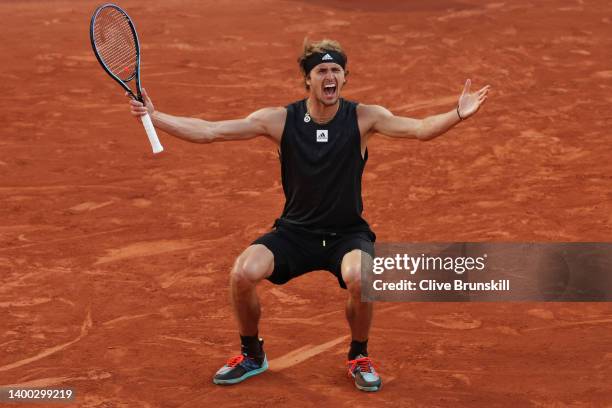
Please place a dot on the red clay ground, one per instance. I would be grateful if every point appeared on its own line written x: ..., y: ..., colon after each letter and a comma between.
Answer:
x: 114, y: 263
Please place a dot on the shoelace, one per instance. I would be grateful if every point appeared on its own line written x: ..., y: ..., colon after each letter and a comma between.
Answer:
x: 234, y: 361
x: 364, y: 364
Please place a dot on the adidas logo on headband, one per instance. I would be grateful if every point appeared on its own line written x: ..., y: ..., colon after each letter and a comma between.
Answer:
x: 327, y: 56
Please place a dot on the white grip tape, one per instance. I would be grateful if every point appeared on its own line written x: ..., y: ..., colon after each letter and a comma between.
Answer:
x: 148, y: 125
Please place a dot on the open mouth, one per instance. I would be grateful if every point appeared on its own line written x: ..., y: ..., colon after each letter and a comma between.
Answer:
x: 329, y: 90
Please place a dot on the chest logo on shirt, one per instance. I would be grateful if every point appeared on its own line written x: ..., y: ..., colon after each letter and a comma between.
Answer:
x: 322, y: 135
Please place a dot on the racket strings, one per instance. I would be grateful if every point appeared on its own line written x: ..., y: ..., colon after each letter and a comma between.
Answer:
x: 115, y: 43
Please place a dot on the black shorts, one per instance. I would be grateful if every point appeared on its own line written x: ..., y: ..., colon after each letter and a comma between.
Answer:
x: 297, y: 252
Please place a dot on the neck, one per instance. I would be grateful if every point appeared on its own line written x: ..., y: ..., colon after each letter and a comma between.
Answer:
x: 319, y: 112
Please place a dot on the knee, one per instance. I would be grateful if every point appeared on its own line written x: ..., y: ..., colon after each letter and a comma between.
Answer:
x: 355, y: 267
x: 352, y: 277
x: 250, y: 268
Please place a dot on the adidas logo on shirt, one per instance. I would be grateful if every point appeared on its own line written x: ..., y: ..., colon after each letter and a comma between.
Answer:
x: 327, y: 57
x: 322, y: 135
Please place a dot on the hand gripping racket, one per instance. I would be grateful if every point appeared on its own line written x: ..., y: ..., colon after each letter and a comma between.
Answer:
x: 115, y: 43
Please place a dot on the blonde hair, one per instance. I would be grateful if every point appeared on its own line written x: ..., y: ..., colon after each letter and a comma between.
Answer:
x: 313, y: 47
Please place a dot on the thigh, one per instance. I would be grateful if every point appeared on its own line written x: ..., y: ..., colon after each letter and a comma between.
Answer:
x: 290, y: 252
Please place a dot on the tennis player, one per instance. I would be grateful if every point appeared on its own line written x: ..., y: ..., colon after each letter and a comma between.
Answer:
x: 322, y: 142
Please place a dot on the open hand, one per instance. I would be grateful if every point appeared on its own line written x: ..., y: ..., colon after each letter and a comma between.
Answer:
x: 469, y: 103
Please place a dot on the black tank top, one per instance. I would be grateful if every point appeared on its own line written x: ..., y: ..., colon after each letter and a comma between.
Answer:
x: 321, y: 169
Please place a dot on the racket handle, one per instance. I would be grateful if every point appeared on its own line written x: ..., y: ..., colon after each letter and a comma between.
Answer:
x: 148, y: 125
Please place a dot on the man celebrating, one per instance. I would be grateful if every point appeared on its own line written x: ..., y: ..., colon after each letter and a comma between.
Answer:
x: 322, y: 142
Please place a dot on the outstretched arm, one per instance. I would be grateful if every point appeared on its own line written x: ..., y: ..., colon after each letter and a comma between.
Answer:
x: 264, y: 122
x: 379, y: 119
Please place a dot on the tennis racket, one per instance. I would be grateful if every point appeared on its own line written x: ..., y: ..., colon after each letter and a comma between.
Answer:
x: 115, y: 43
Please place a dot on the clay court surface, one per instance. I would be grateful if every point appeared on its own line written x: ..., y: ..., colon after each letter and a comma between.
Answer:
x: 114, y: 263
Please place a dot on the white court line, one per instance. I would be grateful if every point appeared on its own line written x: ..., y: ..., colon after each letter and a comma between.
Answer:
x: 303, y: 353
x: 87, y: 323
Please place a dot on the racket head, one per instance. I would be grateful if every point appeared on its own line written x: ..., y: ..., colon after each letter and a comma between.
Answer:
x: 115, y: 43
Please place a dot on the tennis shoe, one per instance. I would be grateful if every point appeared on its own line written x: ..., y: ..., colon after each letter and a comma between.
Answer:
x: 361, y: 369
x: 238, y: 369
